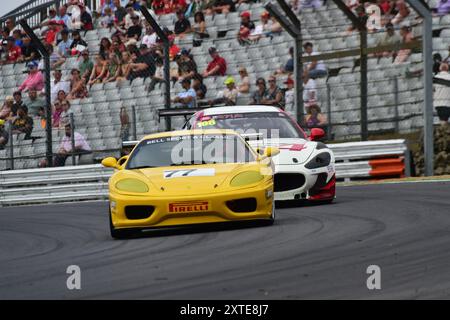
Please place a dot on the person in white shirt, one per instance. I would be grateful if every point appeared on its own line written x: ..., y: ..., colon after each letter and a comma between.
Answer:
x: 131, y: 13
x: 263, y: 28
x: 150, y: 37
x: 309, y: 88
x: 289, y: 97
x: 81, y: 146
x: 316, y: 69
x: 58, y: 84
x: 441, y: 96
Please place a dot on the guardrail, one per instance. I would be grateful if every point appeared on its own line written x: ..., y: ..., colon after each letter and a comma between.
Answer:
x: 372, y: 159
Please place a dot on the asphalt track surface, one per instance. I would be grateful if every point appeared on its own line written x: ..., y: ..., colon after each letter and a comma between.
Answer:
x: 310, y: 252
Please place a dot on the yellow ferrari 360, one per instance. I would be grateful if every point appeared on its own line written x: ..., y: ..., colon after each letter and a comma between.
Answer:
x: 180, y: 178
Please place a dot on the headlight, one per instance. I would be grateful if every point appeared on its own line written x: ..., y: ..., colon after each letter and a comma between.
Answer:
x: 247, y: 177
x: 132, y: 185
x: 321, y: 160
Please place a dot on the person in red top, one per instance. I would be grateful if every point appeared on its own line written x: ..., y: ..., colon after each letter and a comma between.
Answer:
x: 13, y: 52
x: 50, y: 36
x: 158, y: 6
x: 218, y: 65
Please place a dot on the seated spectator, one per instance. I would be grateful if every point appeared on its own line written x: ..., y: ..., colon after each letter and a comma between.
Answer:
x: 17, y: 102
x: 56, y: 113
x: 46, y: 22
x: 57, y: 85
x: 13, y: 52
x: 117, y: 46
x: 261, y: 91
x: 56, y: 60
x: 107, y: 19
x: 187, y: 67
x: 316, y: 69
x: 11, y: 25
x: 65, y: 114
x: 221, y: 6
x: 81, y: 146
x: 158, y: 6
x: 218, y: 65
x: 309, y: 88
x: 437, y: 60
x: 289, y: 97
x: 85, y: 19
x: 29, y: 51
x: 390, y: 37
x: 386, y: 7
x: 441, y: 96
x: 142, y: 64
x: 199, y: 26
x: 42, y: 118
x: 274, y: 95
x: 4, y: 136
x: 314, y: 117
x: 373, y: 22
x: 288, y: 68
x: 229, y: 95
x: 182, y: 25
x: 276, y: 27
x: 23, y: 123
x: 65, y: 43
x: 78, y: 89
x: 150, y: 37
x: 130, y: 14
x: 105, y: 48
x: 199, y: 86
x: 244, y: 86
x: 64, y: 17
x: 113, y: 68
x: 6, y: 112
x: 52, y: 32
x: 186, y: 98
x: 34, y: 102
x: 124, y: 68
x: 443, y: 7
x: 85, y: 66
x: 17, y: 35
x: 174, y: 49
x: 135, y: 30
x: 264, y: 28
x: 402, y: 12
x: 34, y: 80
x: 78, y: 44
x: 158, y: 77
x: 99, y: 70
x: 407, y: 37
x: 247, y: 27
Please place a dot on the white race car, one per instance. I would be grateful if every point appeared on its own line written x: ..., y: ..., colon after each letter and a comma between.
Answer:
x: 304, y: 169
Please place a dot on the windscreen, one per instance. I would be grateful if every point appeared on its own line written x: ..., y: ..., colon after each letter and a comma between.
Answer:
x: 190, y: 150
x: 270, y: 124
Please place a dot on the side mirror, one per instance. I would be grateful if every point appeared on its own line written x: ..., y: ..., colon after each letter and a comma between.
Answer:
x: 316, y: 134
x: 109, y: 162
x: 271, y: 151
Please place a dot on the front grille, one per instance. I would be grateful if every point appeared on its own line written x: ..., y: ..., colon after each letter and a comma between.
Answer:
x: 138, y: 212
x: 288, y: 181
x: 242, y: 205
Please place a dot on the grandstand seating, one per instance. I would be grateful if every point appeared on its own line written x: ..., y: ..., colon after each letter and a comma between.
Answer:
x: 97, y: 117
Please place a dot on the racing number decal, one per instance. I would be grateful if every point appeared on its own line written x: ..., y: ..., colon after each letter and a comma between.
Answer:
x: 189, y: 173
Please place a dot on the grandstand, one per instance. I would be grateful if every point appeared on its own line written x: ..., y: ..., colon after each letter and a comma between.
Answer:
x: 395, y: 96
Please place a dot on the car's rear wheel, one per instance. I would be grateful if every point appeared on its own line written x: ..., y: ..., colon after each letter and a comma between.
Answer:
x: 119, y: 233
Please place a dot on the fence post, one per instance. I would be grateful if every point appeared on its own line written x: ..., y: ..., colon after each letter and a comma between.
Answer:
x: 72, y: 137
x: 329, y: 135
x: 396, y: 101
x: 133, y: 120
x: 11, y: 146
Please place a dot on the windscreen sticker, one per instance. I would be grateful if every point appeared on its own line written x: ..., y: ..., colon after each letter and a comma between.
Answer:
x: 206, y: 172
x: 206, y: 123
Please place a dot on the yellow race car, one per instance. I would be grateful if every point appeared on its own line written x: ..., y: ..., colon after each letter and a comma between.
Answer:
x: 187, y: 178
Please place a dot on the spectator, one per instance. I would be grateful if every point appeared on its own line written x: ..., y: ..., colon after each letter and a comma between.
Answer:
x: 34, y: 80
x: 199, y: 27
x: 316, y: 69
x: 158, y: 6
x: 309, y: 88
x: 46, y: 22
x: 17, y: 35
x: 65, y: 43
x: 314, y: 117
x: 6, y: 112
x: 288, y: 68
x: 244, y: 86
x: 135, y: 30
x: 10, y: 24
x: 56, y: 113
x: 78, y: 89
x: 182, y: 25
x: 107, y: 4
x: 56, y: 60
x: 113, y: 68
x: 260, y: 92
x: 52, y: 32
x: 124, y: 68
x: 130, y: 14
x: 78, y: 44
x: 13, y: 52
x: 85, y: 19
x: 99, y: 70
x: 402, y: 12
x: 187, y: 67
x: 29, y: 51
x: 174, y: 49
x: 150, y: 37
x: 247, y: 26
x: 4, y: 136
x: 229, y: 95
x: 373, y: 22
x: 407, y: 37
x: 107, y: 20
x: 17, y: 102
x: 58, y: 84
x: 289, y: 96
x: 119, y: 13
x: 158, y: 77
x: 64, y: 17
x: 186, y: 98
x: 390, y: 37
x: 274, y: 95
x: 23, y: 123
x: 264, y: 28
x: 437, y: 60
x: 65, y: 148
x: 218, y: 65
x: 85, y: 66
x: 34, y: 102
x: 441, y: 97
x: 221, y: 6
x: 124, y: 124
x: 42, y: 118
x: 142, y: 65
x: 199, y: 86
x: 105, y: 48
x: 443, y: 7
x: 65, y: 114
x: 117, y: 45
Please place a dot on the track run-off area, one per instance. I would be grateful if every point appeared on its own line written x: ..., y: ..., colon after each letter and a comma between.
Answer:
x: 312, y: 251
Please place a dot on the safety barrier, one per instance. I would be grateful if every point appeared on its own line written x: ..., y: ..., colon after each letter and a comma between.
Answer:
x: 376, y: 159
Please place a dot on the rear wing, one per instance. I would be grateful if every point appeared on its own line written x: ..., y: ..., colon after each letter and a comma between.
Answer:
x: 176, y: 112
